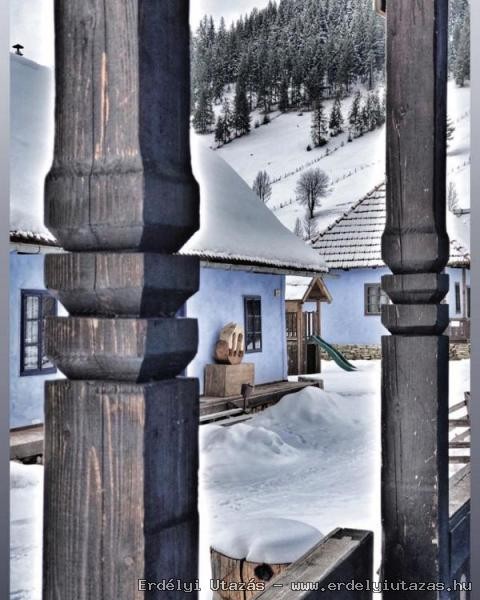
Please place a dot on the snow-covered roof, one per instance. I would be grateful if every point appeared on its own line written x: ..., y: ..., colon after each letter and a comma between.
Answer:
x: 353, y: 241
x: 30, y: 237
x: 31, y: 142
x: 236, y: 227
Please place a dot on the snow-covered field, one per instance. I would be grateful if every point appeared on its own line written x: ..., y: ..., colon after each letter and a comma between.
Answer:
x: 354, y: 168
x: 313, y: 458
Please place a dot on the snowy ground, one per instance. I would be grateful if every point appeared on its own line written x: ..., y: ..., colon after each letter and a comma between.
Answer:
x: 313, y: 458
x: 354, y: 168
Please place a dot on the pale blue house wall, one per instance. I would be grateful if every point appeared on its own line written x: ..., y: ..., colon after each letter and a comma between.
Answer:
x: 26, y: 392
x: 344, y: 320
x: 220, y: 301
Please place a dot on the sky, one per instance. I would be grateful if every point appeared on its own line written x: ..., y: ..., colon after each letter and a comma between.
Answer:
x: 229, y: 9
x: 31, y: 22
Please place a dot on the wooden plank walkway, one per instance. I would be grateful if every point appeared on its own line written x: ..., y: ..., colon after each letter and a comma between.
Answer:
x: 262, y: 396
x: 26, y: 442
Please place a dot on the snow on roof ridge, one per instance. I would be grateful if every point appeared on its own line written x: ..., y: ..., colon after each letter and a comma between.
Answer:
x: 26, y: 236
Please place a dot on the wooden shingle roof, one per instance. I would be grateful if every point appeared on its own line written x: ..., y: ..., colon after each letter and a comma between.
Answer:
x: 353, y: 241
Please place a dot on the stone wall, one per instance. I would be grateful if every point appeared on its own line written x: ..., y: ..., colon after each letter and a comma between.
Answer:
x: 458, y: 351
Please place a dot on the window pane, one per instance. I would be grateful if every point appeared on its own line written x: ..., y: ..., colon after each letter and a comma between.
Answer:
x: 30, y: 358
x: 31, y: 332
x: 32, y: 307
x: 257, y: 324
x: 458, y: 305
x: 258, y: 341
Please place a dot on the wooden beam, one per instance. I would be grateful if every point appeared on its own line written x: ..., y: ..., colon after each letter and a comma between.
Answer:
x: 415, y: 246
x: 342, y: 557
x: 121, y: 452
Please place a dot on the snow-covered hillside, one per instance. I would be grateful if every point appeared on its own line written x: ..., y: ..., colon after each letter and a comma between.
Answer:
x: 354, y: 168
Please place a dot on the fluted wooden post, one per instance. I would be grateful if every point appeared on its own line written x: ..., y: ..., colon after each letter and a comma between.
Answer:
x: 121, y: 452
x: 415, y: 246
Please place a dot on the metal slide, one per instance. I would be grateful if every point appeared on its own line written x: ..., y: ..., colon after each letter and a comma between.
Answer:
x: 341, y: 361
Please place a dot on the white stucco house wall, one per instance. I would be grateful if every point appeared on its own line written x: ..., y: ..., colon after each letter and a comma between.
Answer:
x: 351, y: 247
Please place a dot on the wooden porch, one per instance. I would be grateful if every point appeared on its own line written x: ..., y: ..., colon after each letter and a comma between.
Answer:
x: 262, y: 396
x: 120, y: 441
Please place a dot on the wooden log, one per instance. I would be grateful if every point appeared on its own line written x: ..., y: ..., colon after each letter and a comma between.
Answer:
x: 234, y: 571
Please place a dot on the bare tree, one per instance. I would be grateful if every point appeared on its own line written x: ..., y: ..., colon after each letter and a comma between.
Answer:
x: 452, y: 199
x: 262, y: 186
x: 312, y: 185
x: 310, y: 230
x: 298, y: 230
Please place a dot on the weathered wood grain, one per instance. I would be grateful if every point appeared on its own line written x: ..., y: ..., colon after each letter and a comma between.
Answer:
x: 415, y: 238
x: 121, y: 176
x: 121, y: 458
x: 342, y: 556
x: 226, y: 380
x: 131, y: 284
x: 415, y: 459
x: 415, y: 246
x: 233, y: 571
x: 136, y: 350
x: 120, y: 487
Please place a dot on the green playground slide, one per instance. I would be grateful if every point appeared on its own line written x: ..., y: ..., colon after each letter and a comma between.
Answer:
x: 335, y: 354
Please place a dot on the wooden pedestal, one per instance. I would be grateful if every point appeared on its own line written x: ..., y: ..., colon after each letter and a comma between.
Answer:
x: 227, y: 380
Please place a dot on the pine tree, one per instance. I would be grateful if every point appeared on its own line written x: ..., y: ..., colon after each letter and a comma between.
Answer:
x: 319, y: 129
x: 203, y: 117
x: 283, y: 102
x: 355, y: 116
x: 365, y: 120
x: 369, y: 115
x: 452, y: 198
x: 462, y: 60
x: 228, y: 123
x: 336, y: 118
x: 450, y: 130
x: 241, y: 108
x: 220, y: 131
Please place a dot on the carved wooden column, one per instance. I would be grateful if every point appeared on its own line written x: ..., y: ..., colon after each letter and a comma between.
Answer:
x: 415, y: 246
x: 121, y: 452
